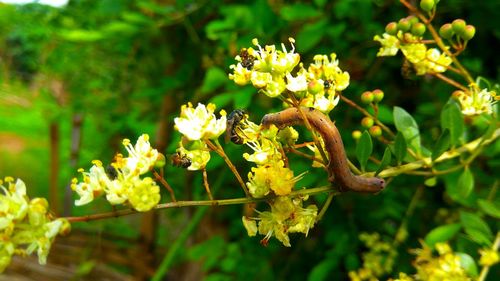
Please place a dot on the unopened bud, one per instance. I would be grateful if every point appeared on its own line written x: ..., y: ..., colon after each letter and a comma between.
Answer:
x: 356, y: 134
x: 427, y: 5
x: 367, y: 97
x: 367, y: 122
x: 458, y: 26
x: 446, y: 31
x: 418, y: 29
x: 404, y: 24
x: 469, y: 32
x: 391, y: 28
x: 375, y: 131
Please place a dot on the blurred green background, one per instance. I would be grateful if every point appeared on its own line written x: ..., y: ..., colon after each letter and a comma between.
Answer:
x: 76, y: 80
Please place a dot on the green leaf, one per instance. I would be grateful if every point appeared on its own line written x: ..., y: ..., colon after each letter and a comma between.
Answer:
x: 430, y: 182
x: 81, y: 35
x: 386, y: 160
x: 405, y: 124
x: 468, y: 264
x: 442, y: 233
x: 399, y: 148
x: 465, y: 183
x: 299, y: 11
x: 452, y: 119
x: 214, y: 78
x: 322, y: 270
x: 222, y: 100
x: 310, y: 35
x: 489, y: 208
x: 442, y: 144
x: 476, y: 228
x: 364, y: 149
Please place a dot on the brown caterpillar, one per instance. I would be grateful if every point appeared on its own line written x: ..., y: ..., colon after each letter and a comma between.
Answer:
x: 337, y: 167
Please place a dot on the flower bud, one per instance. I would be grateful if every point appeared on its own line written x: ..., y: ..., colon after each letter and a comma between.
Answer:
x: 412, y: 19
x: 367, y: 97
x: 314, y: 87
x: 65, y: 228
x: 378, y: 95
x: 446, y: 31
x: 375, y: 131
x: 391, y: 28
x: 356, y: 134
x: 404, y: 24
x: 160, y: 160
x: 458, y: 26
x: 427, y: 5
x: 367, y: 122
x: 468, y: 33
x: 418, y: 29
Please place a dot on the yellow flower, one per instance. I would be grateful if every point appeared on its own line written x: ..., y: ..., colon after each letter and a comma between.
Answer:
x: 13, y: 203
x: 390, y: 45
x: 144, y: 194
x: 197, y: 152
x: 475, y: 102
x: 434, y: 62
x: 414, y: 53
x: 93, y: 184
x: 272, y: 176
x: 200, y: 122
x: 142, y: 156
x: 489, y: 257
x: 264, y: 151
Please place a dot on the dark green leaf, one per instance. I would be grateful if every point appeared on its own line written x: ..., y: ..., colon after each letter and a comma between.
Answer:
x: 443, y: 143
x: 299, y: 11
x: 399, y: 147
x: 465, y: 183
x: 476, y: 228
x: 310, y: 35
x: 405, y: 124
x: 442, y: 233
x: 489, y: 208
x: 386, y: 160
x: 452, y: 119
x: 468, y: 264
x: 322, y: 270
x: 222, y: 100
x: 214, y: 78
x: 364, y: 149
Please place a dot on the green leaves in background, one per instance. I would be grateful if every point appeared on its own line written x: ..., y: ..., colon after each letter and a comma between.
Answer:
x: 465, y: 183
x: 386, y: 160
x: 468, y: 264
x: 442, y: 144
x: 442, y: 233
x: 408, y: 127
x: 214, y: 78
x: 476, y: 228
x: 452, y: 119
x: 400, y: 148
x: 489, y: 208
x: 364, y: 149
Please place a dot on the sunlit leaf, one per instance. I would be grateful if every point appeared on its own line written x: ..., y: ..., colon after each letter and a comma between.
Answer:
x: 476, y: 228
x: 442, y: 233
x: 442, y: 144
x: 405, y: 124
x: 489, y: 208
x: 364, y: 149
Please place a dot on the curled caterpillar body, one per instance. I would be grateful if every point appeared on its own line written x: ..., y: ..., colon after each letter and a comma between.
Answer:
x: 337, y: 167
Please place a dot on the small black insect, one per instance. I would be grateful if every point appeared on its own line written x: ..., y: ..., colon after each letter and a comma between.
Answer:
x: 327, y: 84
x: 111, y: 171
x: 181, y: 161
x: 247, y: 60
x: 233, y: 119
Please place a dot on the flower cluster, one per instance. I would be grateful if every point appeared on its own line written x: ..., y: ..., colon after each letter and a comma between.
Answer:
x: 475, y: 101
x: 407, y: 37
x: 446, y: 266
x: 26, y: 225
x: 287, y: 216
x: 270, y: 70
x: 196, y: 125
x: 379, y: 260
x: 121, y: 181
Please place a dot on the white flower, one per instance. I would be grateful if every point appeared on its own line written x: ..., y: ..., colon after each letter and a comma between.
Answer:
x: 93, y: 184
x: 141, y: 156
x: 475, y: 103
x: 390, y: 45
x: 13, y: 203
x: 296, y: 84
x: 200, y: 122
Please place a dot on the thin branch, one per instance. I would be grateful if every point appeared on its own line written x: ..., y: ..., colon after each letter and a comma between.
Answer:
x: 222, y: 202
x: 206, y: 185
x: 165, y: 184
x: 450, y: 81
x: 486, y: 269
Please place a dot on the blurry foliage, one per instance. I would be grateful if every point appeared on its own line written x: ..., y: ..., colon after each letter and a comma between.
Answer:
x: 119, y: 61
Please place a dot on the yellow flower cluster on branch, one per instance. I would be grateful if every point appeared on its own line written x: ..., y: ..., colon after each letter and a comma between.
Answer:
x: 26, y: 225
x: 121, y: 181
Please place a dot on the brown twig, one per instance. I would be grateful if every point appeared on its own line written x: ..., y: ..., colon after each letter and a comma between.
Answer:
x: 165, y: 184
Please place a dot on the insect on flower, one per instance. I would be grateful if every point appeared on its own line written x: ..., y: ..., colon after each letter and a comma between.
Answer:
x: 247, y: 60
x: 233, y: 120
x: 181, y: 161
